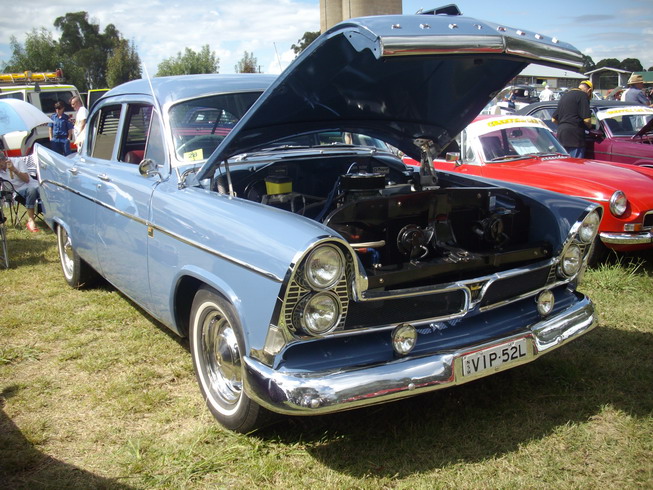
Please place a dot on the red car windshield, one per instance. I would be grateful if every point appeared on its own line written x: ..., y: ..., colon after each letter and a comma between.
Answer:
x: 519, y: 142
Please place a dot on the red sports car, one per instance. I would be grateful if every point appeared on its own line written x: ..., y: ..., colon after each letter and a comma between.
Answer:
x: 523, y: 150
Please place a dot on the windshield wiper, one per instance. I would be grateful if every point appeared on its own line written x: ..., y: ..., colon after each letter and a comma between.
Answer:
x: 507, y: 158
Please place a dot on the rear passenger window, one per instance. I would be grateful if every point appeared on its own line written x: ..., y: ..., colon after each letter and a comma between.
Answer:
x: 136, y: 128
x: 103, y: 132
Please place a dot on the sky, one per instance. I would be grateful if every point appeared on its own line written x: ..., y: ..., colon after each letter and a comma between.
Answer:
x: 162, y: 28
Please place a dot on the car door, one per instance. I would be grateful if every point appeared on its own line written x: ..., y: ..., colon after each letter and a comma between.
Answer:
x: 68, y: 192
x: 123, y: 198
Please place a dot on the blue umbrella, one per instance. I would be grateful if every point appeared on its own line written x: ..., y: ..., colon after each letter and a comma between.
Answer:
x: 18, y: 115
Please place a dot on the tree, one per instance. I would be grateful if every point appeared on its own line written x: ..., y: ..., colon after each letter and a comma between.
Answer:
x: 609, y: 62
x: 123, y: 65
x: 650, y: 68
x: 631, y: 64
x: 588, y: 64
x: 190, y: 63
x: 247, y: 64
x: 41, y: 53
x: 304, y: 41
x: 87, y: 48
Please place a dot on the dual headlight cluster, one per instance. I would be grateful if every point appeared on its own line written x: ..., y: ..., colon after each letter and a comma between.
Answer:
x: 571, y: 260
x: 319, y: 312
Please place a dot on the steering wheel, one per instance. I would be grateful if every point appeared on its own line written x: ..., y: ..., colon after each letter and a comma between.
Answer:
x: 204, y: 142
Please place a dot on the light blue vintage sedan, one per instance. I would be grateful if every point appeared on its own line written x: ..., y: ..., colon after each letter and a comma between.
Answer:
x: 265, y: 218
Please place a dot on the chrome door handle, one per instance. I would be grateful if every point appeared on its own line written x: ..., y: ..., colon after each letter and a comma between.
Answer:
x: 104, y: 177
x: 73, y: 170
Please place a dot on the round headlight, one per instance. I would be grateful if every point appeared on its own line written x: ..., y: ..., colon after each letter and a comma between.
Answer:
x: 589, y: 228
x: 324, y: 267
x: 319, y: 313
x: 571, y: 261
x: 404, y: 338
x: 618, y: 203
x: 545, y: 303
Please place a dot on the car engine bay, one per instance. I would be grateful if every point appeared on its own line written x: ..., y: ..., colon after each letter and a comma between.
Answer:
x: 403, y: 231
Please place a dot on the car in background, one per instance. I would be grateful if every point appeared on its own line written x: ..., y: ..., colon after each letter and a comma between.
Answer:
x: 93, y: 95
x: 312, y: 278
x: 621, y: 131
x: 511, y: 98
x: 523, y: 149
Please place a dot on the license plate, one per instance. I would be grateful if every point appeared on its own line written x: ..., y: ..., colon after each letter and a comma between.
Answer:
x: 494, y: 357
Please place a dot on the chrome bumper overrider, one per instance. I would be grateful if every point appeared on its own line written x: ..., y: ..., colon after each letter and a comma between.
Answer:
x: 627, y: 238
x: 312, y: 393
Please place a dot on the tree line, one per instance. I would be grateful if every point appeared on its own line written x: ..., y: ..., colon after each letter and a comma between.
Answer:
x: 93, y: 58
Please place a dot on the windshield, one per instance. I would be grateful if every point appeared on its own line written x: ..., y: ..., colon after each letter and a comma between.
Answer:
x: 625, y: 124
x: 199, y: 125
x: 517, y: 142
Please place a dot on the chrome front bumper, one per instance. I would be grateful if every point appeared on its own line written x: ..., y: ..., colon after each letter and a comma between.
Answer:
x: 313, y: 393
x: 627, y: 238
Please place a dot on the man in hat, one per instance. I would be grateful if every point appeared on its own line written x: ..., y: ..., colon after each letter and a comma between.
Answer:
x: 573, y: 117
x: 635, y: 91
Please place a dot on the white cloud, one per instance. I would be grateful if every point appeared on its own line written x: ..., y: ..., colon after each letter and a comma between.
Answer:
x: 161, y: 29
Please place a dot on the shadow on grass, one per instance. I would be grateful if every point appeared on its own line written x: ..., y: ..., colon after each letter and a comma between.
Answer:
x: 23, y: 466
x: 28, y: 250
x: 486, y: 418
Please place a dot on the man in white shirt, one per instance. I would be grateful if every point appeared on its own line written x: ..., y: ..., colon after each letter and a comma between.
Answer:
x: 80, y: 121
x: 546, y: 94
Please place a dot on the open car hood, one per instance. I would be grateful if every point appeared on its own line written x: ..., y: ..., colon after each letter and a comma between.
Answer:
x: 397, y: 78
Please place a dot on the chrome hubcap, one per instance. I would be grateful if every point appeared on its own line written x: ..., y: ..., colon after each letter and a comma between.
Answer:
x: 222, y: 358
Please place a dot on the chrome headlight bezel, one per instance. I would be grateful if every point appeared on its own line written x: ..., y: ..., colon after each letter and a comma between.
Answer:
x: 571, y: 261
x: 618, y: 203
x: 589, y: 228
x: 323, y: 268
x: 319, y: 314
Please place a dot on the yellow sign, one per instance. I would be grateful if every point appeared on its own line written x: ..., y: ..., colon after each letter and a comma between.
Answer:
x: 521, y: 120
x: 193, y: 156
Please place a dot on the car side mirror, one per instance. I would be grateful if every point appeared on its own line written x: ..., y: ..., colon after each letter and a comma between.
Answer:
x: 453, y: 156
x: 147, y: 168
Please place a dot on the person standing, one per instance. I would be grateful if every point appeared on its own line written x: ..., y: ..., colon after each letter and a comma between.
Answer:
x: 573, y: 116
x: 546, y: 94
x: 635, y: 91
x: 81, y: 115
x: 61, y: 130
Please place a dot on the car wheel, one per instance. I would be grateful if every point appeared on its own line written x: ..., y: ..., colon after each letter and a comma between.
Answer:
x: 216, y: 346
x: 598, y: 253
x: 76, y: 272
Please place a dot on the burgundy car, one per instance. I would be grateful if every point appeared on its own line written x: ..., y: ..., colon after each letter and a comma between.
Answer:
x: 623, y: 132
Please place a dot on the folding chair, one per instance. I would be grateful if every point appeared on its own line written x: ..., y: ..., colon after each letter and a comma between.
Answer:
x: 10, y: 200
x: 3, y: 237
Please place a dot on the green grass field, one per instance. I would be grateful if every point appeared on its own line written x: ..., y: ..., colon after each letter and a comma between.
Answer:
x: 95, y: 394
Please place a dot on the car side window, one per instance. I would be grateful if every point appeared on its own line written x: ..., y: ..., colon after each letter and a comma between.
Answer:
x: 137, y: 125
x: 155, y: 150
x: 104, y: 131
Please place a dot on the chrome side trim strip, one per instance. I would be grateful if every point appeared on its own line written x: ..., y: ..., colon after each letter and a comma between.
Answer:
x: 150, y: 228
